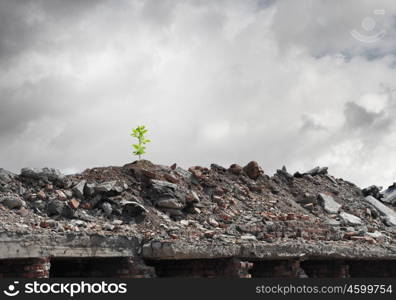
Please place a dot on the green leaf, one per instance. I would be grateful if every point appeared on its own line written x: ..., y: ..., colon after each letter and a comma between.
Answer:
x: 139, y: 133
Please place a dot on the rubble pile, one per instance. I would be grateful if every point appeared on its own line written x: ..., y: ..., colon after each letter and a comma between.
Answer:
x: 200, y: 208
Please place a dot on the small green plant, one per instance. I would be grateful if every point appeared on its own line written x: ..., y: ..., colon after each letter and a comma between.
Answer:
x: 139, y: 133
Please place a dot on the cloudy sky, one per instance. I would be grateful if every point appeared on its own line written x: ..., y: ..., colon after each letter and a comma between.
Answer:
x: 295, y: 83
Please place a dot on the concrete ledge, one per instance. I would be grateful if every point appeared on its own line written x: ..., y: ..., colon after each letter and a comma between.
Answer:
x: 169, y: 250
x: 67, y: 245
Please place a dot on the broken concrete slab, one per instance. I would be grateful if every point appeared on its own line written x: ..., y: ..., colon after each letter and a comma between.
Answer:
x: 105, y: 187
x: 350, y: 219
x: 78, y: 189
x: 329, y: 204
x: 389, y: 195
x: 387, y: 212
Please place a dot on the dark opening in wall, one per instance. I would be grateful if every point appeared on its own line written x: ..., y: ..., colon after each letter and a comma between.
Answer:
x: 201, y: 268
x: 87, y: 267
x: 119, y: 267
x: 277, y: 269
x: 325, y: 268
x: 25, y: 267
x: 372, y: 268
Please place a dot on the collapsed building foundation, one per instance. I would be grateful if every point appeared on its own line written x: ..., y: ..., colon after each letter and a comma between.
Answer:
x: 144, y: 220
x: 124, y: 257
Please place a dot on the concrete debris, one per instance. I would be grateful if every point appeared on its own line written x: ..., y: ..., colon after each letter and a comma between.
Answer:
x: 387, y: 212
x: 12, y: 201
x: 133, y: 208
x: 373, y: 190
x: 283, y: 173
x: 106, y: 187
x: 169, y: 203
x: 6, y: 176
x: 389, y: 195
x: 253, y: 170
x: 202, y: 213
x: 350, y: 219
x: 235, y: 169
x: 89, y: 189
x: 317, y: 171
x: 106, y: 206
x: 329, y: 204
x: 45, y: 174
x: 78, y: 189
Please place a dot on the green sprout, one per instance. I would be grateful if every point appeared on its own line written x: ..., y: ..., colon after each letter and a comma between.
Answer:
x: 139, y: 133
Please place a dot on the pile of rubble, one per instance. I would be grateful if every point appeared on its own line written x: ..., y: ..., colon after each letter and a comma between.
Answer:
x: 199, y: 206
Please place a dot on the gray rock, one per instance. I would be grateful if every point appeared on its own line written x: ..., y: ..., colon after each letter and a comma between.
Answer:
x: 329, y: 204
x: 373, y: 190
x: 68, y: 193
x: 173, y: 212
x: 46, y: 174
x: 79, y: 223
x: 218, y: 168
x: 331, y: 179
x: 78, y: 189
x: 57, y: 207
x: 12, y: 201
x: 96, y: 200
x: 105, y: 187
x: 106, y: 206
x: 108, y: 227
x: 350, y: 219
x: 317, y: 171
x: 165, y: 190
x: 169, y: 203
x: 283, y: 173
x: 388, y: 213
x: 83, y: 215
x: 163, y: 187
x: 6, y: 176
x: 89, y: 189
x: 194, y: 197
x: 333, y: 222
x: 375, y: 234
x: 39, y: 204
x: 390, y: 195
x: 184, y: 173
x: 248, y: 237
x: 133, y: 208
x: 253, y: 170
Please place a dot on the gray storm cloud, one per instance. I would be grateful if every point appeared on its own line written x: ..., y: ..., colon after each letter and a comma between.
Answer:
x: 280, y: 82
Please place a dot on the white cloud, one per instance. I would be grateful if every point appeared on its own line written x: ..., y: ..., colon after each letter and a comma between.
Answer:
x: 225, y: 81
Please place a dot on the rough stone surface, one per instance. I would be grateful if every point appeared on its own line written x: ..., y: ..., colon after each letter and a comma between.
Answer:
x: 373, y: 190
x: 253, y: 170
x: 6, y: 176
x: 12, y: 201
x: 46, y: 174
x: 329, y: 204
x: 389, y: 213
x: 78, y: 189
x: 390, y: 195
x: 235, y: 169
x: 350, y: 219
x: 205, y: 213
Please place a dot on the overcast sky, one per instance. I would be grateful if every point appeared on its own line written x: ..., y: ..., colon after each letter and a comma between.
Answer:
x: 295, y: 83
